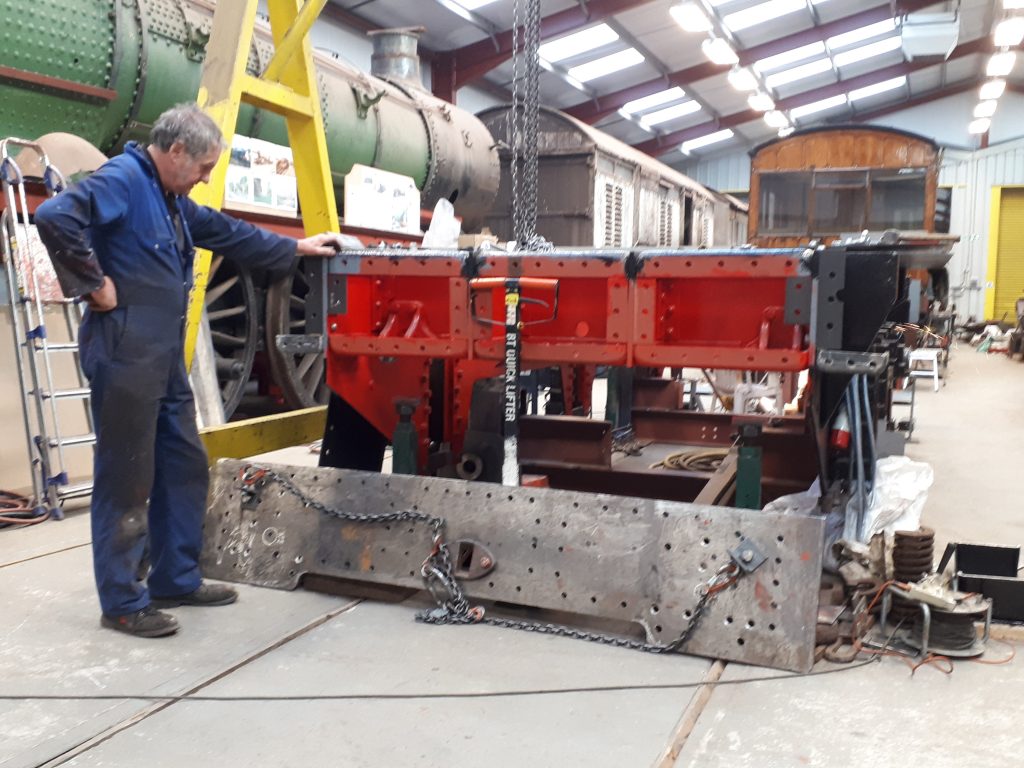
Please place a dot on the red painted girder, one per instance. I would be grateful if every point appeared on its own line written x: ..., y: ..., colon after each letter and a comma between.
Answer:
x: 669, y: 141
x: 599, y: 108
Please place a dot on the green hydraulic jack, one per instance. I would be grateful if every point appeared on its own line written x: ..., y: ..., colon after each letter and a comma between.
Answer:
x: 404, y: 448
x: 748, y: 467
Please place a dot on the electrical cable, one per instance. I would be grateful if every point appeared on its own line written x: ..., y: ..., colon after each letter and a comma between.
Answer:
x: 17, y: 510
x: 694, y: 460
x: 446, y: 695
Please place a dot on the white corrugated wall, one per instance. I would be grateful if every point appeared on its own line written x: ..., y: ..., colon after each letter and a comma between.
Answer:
x: 972, y: 175
x: 726, y: 173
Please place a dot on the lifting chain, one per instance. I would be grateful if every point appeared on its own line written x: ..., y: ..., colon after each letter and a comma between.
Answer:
x: 440, y: 580
x: 525, y: 123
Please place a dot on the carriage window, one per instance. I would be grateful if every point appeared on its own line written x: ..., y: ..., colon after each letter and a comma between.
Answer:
x: 943, y: 208
x: 897, y: 199
x: 784, y: 203
x: 839, y: 201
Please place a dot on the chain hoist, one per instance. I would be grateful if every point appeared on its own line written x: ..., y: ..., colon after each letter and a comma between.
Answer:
x: 452, y: 606
x: 524, y: 123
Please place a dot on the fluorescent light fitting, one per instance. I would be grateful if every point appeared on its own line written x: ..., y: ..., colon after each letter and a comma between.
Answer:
x: 1013, y: 5
x: 809, y: 69
x: 690, y: 17
x: 670, y: 113
x: 759, y: 14
x: 578, y: 42
x: 862, y: 33
x: 654, y: 100
x: 979, y: 126
x: 712, y: 138
x: 986, y: 109
x: 993, y: 89
x: 877, y: 88
x: 719, y: 51
x: 867, y: 51
x: 792, y: 56
x: 547, y: 65
x: 1001, y: 64
x: 1009, y: 32
x: 818, y: 106
x: 635, y: 120
x: 762, y: 102
x: 459, y: 9
x: 742, y: 79
x: 472, y: 5
x: 606, y: 65
x: 776, y: 119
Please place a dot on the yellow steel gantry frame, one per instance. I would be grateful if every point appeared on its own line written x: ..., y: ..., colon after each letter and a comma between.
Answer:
x: 287, y: 87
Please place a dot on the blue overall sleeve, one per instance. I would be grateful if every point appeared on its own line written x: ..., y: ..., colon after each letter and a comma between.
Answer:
x: 65, y: 223
x: 238, y: 240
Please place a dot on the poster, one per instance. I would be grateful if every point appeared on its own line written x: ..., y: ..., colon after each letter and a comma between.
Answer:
x: 261, y: 178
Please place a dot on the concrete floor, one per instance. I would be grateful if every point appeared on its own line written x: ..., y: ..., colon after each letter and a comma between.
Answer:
x: 306, y: 644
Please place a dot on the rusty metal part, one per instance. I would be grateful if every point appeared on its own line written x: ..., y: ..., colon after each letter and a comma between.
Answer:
x: 721, y: 488
x: 840, y: 652
x: 565, y: 439
x: 912, y: 558
x: 613, y: 557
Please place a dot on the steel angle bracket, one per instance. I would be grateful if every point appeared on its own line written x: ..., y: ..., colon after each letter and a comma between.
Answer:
x: 596, y: 555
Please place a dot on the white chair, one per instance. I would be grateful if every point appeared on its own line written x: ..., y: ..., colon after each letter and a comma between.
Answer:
x: 929, y: 357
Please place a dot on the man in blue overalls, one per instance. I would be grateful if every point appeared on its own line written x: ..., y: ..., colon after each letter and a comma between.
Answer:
x: 123, y: 239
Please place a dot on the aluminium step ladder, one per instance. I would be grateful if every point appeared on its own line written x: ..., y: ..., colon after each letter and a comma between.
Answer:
x: 32, y: 289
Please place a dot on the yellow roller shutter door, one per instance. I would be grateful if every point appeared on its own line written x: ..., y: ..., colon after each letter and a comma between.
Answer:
x: 1009, y: 282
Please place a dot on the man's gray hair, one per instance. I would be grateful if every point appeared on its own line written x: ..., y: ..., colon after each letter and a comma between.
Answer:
x: 188, y: 124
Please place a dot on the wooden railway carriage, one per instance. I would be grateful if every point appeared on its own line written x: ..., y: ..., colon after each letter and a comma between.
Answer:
x: 819, y: 183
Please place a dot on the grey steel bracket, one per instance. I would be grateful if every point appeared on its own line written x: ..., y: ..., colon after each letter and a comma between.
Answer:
x: 300, y: 343
x: 472, y: 560
x: 620, y: 558
x: 839, y: 361
x: 747, y: 556
x: 798, y: 299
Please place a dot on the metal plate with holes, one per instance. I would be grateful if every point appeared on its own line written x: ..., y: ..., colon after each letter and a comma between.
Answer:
x: 628, y: 559
x: 840, y: 361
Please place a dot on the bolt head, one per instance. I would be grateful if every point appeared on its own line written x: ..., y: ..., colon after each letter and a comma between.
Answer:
x: 485, y: 562
x: 747, y: 555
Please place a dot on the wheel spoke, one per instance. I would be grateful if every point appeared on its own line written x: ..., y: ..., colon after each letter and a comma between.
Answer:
x: 219, y: 337
x: 219, y: 290
x: 214, y: 266
x: 221, y: 314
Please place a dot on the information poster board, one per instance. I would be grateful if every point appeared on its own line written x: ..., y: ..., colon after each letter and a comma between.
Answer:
x: 261, y: 178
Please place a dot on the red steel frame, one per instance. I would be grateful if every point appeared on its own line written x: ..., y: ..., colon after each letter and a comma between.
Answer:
x: 702, y: 309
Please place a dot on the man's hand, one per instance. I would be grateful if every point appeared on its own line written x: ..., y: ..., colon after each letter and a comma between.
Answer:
x: 104, y: 298
x: 326, y: 244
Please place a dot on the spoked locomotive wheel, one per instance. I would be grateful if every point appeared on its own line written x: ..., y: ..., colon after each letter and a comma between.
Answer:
x: 232, y: 309
x: 300, y: 377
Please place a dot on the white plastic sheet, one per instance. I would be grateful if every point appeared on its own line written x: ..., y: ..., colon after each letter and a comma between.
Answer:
x: 444, y: 227
x: 901, y: 490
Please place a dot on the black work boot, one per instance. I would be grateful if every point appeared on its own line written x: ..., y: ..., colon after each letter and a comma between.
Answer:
x: 148, y: 622
x: 206, y: 595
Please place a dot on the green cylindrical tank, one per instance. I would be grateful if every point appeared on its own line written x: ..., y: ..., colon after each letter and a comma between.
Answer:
x: 147, y: 55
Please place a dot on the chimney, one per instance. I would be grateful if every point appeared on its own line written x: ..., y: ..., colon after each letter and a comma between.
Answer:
x: 395, y: 56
